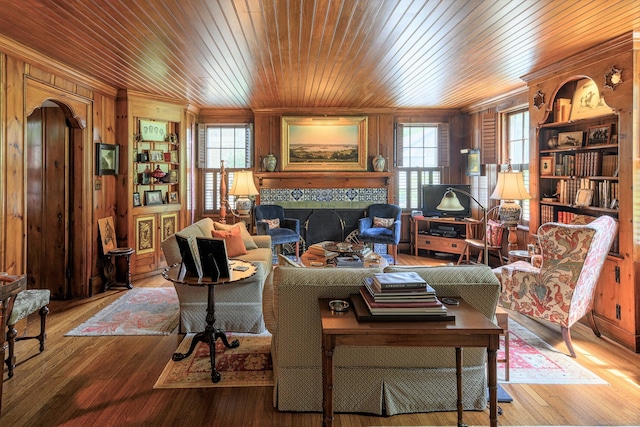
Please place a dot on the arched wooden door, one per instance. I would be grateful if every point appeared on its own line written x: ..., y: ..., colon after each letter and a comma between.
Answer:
x: 48, y: 201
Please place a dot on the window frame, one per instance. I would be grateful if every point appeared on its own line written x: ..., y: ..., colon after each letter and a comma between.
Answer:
x: 507, y: 155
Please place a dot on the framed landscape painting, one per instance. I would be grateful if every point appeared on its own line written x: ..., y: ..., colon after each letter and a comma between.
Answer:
x: 324, y: 143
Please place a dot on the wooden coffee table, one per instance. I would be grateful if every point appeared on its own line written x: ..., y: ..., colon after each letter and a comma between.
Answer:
x: 470, y: 329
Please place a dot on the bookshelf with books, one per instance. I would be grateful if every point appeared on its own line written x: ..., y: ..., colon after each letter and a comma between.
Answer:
x: 583, y: 164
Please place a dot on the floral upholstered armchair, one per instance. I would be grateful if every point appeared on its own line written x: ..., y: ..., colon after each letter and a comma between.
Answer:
x: 562, y: 289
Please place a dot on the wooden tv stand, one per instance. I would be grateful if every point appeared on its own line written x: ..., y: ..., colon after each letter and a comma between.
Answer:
x: 432, y: 234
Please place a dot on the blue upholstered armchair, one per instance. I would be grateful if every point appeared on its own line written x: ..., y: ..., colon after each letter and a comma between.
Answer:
x: 381, y: 225
x: 270, y: 221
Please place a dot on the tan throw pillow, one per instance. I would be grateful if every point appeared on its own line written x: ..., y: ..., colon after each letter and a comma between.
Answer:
x: 244, y: 233
x: 235, y: 245
x: 383, y: 222
x: 284, y: 261
x: 272, y: 223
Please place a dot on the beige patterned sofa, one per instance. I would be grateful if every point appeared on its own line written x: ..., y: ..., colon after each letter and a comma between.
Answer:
x: 374, y: 379
x: 238, y: 305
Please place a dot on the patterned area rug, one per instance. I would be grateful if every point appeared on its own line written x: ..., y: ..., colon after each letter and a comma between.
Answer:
x: 248, y: 365
x: 140, y: 311
x: 533, y: 361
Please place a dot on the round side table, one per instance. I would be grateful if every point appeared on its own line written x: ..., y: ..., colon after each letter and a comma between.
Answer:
x: 519, y: 255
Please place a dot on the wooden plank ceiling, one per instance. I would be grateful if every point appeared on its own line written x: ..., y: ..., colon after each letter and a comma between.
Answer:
x: 314, y: 53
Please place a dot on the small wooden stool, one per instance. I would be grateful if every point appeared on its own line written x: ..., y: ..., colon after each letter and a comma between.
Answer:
x: 503, y: 322
x: 109, y: 268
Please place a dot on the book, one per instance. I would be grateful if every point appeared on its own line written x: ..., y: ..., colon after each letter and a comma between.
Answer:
x: 347, y: 261
x: 421, y: 307
x: 213, y: 257
x: 418, y: 295
x: 318, y: 249
x: 399, y: 280
x: 190, y: 255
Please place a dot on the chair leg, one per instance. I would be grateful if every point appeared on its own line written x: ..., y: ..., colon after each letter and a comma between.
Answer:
x: 43, y: 327
x: 592, y: 323
x: 394, y: 249
x: 298, y: 251
x: 11, y: 358
x: 566, y: 334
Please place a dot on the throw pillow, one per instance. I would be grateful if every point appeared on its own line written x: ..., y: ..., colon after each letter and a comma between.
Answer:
x: 272, y: 223
x: 494, y: 233
x: 285, y: 261
x: 246, y: 236
x: 383, y: 222
x: 235, y: 245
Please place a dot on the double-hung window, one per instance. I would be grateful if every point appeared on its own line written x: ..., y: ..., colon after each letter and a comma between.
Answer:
x: 417, y: 160
x: 518, y: 147
x: 231, y: 143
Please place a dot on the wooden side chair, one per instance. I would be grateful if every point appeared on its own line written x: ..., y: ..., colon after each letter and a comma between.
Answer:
x: 26, y: 302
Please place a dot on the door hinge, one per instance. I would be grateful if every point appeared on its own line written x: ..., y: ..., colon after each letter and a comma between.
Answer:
x: 618, y: 315
x: 617, y: 273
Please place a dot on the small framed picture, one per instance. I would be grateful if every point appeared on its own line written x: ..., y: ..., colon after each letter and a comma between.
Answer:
x: 136, y: 199
x: 547, y: 165
x: 153, y: 197
x: 570, y: 138
x: 143, y: 157
x: 173, y: 156
x: 599, y: 135
x: 473, y: 163
x: 156, y: 156
x: 107, y: 159
x: 172, y: 197
x: 583, y: 197
x: 173, y: 176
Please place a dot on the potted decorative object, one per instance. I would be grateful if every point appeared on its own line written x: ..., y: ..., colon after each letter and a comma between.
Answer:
x: 378, y: 163
x: 270, y: 162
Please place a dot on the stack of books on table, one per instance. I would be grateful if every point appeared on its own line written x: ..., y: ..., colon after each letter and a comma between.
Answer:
x: 400, y: 293
x: 319, y: 250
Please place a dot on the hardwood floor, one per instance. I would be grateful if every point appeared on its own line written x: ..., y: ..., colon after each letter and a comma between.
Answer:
x: 108, y: 381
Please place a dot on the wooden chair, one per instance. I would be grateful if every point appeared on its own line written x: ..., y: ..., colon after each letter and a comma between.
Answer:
x: 26, y: 302
x: 493, y: 235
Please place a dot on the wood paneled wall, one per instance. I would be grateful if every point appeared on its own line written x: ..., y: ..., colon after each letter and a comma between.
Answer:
x: 24, y: 87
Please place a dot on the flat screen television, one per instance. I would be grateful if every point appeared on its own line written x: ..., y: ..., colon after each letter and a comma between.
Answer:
x: 432, y: 196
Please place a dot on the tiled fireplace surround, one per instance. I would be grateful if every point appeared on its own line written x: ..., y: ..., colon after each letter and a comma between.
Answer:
x: 324, y: 213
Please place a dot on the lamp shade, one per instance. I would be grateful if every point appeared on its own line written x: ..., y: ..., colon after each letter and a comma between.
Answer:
x: 242, y: 187
x: 243, y: 184
x: 450, y: 202
x: 510, y: 187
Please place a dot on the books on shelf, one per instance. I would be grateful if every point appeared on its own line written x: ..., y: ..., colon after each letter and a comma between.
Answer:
x: 405, y: 308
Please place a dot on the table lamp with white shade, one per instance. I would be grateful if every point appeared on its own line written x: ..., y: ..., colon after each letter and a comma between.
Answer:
x: 510, y: 187
x: 243, y: 186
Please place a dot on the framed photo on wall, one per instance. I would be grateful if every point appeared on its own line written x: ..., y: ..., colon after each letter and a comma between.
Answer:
x: 107, y: 159
x: 473, y: 163
x: 152, y: 130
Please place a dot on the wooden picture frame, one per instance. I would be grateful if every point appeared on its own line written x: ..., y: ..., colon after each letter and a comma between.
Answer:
x: 136, y: 199
x: 599, y: 135
x: 473, y: 163
x: 573, y: 139
x: 324, y: 143
x: 583, y: 197
x: 173, y: 176
x: 587, y: 101
x: 107, y: 234
x: 172, y: 198
x: 152, y: 197
x: 145, y: 234
x: 107, y: 159
x: 152, y: 130
x: 547, y: 165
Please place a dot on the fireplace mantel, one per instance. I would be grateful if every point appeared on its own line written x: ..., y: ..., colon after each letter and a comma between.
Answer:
x: 326, y: 180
